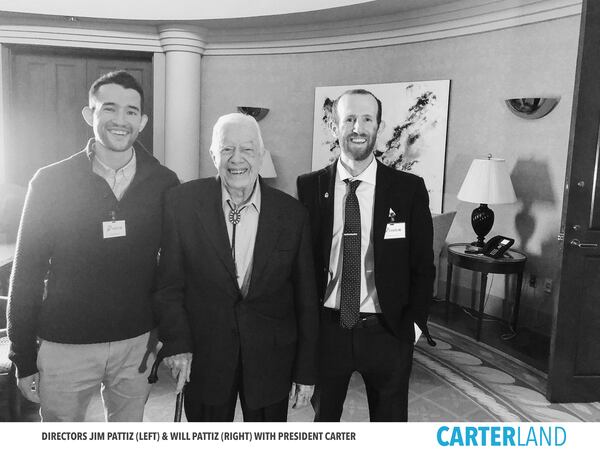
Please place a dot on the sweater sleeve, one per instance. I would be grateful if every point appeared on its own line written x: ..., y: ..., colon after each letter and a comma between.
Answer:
x: 31, y: 263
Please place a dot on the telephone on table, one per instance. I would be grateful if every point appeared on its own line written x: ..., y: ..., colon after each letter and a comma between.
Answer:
x: 495, y: 247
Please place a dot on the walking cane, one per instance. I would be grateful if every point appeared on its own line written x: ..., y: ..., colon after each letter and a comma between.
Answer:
x: 153, y: 378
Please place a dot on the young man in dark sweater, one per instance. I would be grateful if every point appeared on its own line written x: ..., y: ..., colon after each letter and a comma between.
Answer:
x: 79, y: 311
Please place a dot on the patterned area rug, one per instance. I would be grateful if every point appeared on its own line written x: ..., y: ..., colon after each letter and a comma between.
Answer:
x: 459, y: 380
x: 506, y: 388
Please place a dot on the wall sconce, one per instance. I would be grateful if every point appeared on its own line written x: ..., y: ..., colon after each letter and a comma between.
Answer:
x: 255, y: 111
x: 267, y: 170
x: 531, y: 107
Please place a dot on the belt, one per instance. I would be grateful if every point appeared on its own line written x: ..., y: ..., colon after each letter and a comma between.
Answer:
x: 365, y: 320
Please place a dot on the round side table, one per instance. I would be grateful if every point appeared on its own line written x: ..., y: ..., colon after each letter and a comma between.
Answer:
x: 513, y: 262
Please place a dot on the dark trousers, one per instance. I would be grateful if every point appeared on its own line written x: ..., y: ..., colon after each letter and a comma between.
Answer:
x: 196, y: 411
x: 383, y: 360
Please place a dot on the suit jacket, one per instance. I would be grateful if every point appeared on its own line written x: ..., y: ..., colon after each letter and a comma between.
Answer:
x: 272, y: 331
x: 404, y: 269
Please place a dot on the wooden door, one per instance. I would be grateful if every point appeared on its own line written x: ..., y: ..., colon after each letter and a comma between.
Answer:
x: 574, y: 369
x: 45, y: 122
x: 49, y: 87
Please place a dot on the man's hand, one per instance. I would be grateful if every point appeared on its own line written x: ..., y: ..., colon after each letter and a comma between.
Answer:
x: 29, y: 387
x: 301, y: 394
x: 181, y: 367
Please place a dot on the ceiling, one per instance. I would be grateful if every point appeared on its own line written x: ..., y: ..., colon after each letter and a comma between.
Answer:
x: 229, y: 13
x: 264, y: 26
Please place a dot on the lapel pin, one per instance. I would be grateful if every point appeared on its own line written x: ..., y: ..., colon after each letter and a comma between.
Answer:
x: 392, y: 215
x: 326, y: 195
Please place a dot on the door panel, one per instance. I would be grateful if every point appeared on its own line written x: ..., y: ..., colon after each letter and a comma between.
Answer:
x: 49, y: 89
x: 70, y: 89
x: 574, y: 369
x: 45, y: 122
x: 587, y: 359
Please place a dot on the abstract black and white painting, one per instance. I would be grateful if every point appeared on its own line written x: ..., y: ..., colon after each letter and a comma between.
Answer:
x: 415, y: 118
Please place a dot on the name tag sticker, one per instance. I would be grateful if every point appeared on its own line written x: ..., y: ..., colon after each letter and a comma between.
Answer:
x: 112, y: 229
x: 395, y: 230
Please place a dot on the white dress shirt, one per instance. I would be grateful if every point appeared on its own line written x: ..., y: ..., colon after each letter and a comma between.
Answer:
x: 118, y: 180
x: 245, y: 231
x: 369, y: 302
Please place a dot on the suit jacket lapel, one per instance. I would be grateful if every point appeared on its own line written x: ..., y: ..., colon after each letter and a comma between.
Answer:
x: 326, y: 198
x: 210, y: 214
x: 267, y: 235
x: 380, y: 210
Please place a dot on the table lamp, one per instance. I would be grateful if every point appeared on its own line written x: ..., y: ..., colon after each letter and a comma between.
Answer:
x: 487, y: 183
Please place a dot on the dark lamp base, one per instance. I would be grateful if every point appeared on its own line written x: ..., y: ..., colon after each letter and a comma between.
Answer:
x: 482, y: 220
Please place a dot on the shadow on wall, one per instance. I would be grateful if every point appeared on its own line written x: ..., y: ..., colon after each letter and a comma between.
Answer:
x: 532, y: 183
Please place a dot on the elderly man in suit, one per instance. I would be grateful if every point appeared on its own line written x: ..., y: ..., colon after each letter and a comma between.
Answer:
x: 372, y: 244
x: 236, y: 296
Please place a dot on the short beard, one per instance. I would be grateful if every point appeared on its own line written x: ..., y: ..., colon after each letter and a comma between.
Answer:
x: 359, y: 156
x: 363, y: 156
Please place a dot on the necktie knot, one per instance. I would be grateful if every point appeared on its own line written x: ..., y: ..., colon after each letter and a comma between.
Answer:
x: 352, y: 184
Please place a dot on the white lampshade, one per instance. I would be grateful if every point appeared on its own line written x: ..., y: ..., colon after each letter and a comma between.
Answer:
x: 267, y: 169
x: 487, y: 182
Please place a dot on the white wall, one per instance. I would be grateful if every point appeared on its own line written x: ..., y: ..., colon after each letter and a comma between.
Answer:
x: 536, y: 59
x: 484, y: 69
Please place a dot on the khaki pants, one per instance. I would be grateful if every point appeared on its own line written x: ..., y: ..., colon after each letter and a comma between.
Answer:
x: 71, y: 374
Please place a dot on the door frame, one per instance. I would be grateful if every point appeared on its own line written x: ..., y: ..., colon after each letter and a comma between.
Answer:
x: 5, y: 83
x: 584, y: 125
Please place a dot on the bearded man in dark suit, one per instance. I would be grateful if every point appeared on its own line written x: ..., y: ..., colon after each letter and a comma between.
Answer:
x: 236, y: 297
x: 372, y: 243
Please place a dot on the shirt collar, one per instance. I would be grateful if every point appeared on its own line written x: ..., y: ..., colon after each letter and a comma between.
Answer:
x: 254, y: 199
x: 128, y: 169
x: 369, y: 175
